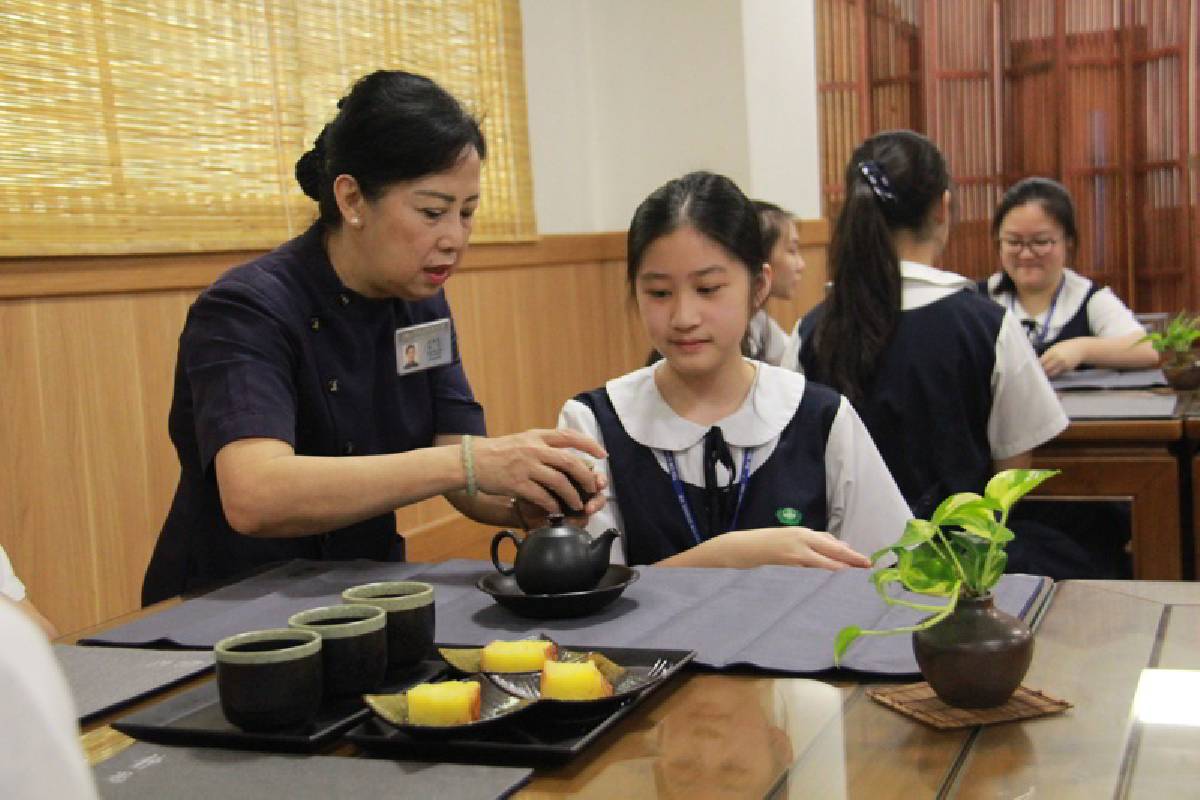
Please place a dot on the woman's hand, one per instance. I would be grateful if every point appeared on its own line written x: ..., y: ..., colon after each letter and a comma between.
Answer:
x: 536, y: 465
x: 1064, y: 357
x: 791, y: 546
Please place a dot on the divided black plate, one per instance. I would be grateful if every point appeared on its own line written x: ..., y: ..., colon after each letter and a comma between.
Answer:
x: 194, y: 718
x: 504, y: 589
x: 542, y: 735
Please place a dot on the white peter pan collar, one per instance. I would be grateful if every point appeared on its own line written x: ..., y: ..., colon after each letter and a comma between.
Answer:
x: 922, y: 284
x: 769, y: 406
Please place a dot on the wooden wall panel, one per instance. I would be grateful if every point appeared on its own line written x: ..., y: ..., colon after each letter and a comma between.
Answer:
x: 89, y: 470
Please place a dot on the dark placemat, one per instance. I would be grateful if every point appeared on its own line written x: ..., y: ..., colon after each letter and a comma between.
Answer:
x: 194, y: 718
x: 918, y: 701
x: 781, y: 619
x: 106, y: 678
x: 182, y: 773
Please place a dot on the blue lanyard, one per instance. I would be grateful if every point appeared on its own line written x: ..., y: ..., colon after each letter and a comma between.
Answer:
x: 1037, y: 343
x: 677, y: 484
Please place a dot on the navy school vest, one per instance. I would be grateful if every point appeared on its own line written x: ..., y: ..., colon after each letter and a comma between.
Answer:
x: 792, y: 477
x: 1077, y: 326
x: 928, y: 405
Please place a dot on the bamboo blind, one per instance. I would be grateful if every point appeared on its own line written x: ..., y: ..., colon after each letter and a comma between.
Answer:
x: 174, y: 125
x: 1097, y: 93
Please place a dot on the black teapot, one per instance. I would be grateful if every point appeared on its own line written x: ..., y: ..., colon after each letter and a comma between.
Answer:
x: 556, y: 559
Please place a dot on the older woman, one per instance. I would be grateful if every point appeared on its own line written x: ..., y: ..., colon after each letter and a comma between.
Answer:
x: 298, y: 428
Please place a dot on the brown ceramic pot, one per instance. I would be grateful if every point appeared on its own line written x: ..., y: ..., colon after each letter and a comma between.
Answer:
x: 1182, y: 371
x: 975, y: 657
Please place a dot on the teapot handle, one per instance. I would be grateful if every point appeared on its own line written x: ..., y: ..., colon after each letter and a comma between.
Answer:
x: 496, y: 540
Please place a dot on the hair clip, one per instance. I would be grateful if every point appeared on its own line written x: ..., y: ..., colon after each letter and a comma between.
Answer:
x: 877, y: 179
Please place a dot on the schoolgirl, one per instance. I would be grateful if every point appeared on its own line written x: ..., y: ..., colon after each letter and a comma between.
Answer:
x: 945, y: 380
x: 765, y: 340
x: 1070, y: 320
x: 715, y: 459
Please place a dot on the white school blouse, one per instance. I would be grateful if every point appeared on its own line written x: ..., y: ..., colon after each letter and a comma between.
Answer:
x: 40, y: 755
x: 866, y: 509
x: 1107, y: 316
x: 10, y: 585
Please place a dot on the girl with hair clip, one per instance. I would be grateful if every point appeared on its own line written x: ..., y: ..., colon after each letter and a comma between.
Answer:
x: 765, y: 340
x: 715, y: 459
x: 298, y: 429
x: 944, y: 379
x: 1071, y: 321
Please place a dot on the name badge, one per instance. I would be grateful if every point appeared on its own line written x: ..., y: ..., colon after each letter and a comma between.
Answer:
x: 421, y: 347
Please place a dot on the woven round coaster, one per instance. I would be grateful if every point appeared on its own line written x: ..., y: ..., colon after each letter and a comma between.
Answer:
x: 918, y: 701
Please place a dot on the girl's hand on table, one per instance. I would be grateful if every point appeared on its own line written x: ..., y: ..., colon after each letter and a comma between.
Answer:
x: 1063, y: 357
x: 536, y: 465
x: 790, y: 546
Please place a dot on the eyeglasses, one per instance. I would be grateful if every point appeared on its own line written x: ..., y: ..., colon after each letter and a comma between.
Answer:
x: 1040, y: 246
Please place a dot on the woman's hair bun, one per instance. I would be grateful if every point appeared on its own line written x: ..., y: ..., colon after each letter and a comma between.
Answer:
x: 308, y: 173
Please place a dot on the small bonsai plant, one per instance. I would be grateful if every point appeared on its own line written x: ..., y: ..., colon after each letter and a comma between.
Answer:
x: 1176, y: 341
x: 957, y: 552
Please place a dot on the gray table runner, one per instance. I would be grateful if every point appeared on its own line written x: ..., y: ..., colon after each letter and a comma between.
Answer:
x: 779, y: 619
x: 184, y: 773
x: 103, y: 678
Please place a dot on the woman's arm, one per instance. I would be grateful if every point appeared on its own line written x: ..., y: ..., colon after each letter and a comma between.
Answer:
x: 267, y: 490
x: 1119, y: 352
x: 1019, y: 461
x: 501, y: 510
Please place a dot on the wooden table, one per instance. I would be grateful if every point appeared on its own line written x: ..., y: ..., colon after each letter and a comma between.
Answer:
x: 1135, y: 460
x: 718, y: 735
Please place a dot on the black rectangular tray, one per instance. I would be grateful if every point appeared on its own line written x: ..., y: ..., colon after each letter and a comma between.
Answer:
x: 534, y: 737
x: 194, y: 717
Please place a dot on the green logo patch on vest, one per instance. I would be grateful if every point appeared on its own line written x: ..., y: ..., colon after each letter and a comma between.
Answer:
x: 787, y: 516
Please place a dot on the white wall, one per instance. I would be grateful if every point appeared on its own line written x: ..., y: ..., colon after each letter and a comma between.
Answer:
x: 624, y: 95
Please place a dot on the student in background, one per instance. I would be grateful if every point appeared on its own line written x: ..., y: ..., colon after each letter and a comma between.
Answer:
x: 715, y: 459
x: 12, y: 588
x: 1071, y: 321
x: 944, y: 379
x: 765, y: 340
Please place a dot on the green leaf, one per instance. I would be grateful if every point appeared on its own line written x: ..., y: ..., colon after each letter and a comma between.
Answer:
x: 1011, y: 485
x: 845, y: 638
x: 991, y: 531
x: 923, y: 570
x: 950, y: 505
x: 916, y: 531
x: 993, y: 569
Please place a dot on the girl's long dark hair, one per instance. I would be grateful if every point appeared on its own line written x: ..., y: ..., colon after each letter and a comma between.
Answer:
x: 892, y: 182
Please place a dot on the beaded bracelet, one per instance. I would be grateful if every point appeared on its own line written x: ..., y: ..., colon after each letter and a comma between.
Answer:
x: 468, y: 462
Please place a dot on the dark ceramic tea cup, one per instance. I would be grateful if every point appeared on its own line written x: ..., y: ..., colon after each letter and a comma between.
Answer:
x: 354, y: 646
x: 269, y: 680
x: 410, y: 617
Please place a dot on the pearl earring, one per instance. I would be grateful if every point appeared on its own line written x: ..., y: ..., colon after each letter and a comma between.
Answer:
x: 355, y: 221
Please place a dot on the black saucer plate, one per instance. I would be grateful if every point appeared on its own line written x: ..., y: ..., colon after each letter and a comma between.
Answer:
x: 504, y: 589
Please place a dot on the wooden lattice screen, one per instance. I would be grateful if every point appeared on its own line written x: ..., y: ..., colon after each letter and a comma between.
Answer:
x: 1095, y: 93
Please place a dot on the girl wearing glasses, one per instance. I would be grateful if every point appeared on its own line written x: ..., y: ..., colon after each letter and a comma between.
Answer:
x: 944, y: 379
x: 1070, y: 321
x: 715, y: 459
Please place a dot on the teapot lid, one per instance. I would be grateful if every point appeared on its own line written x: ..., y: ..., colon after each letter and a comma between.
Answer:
x: 557, y: 523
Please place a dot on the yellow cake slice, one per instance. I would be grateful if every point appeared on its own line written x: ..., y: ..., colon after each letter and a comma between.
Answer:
x: 527, y: 655
x: 563, y: 681
x: 445, y: 703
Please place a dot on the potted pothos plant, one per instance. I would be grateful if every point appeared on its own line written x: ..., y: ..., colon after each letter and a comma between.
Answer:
x: 1175, y: 345
x: 972, y: 654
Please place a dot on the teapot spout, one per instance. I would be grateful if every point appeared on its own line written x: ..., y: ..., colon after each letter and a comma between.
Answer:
x: 600, y: 550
